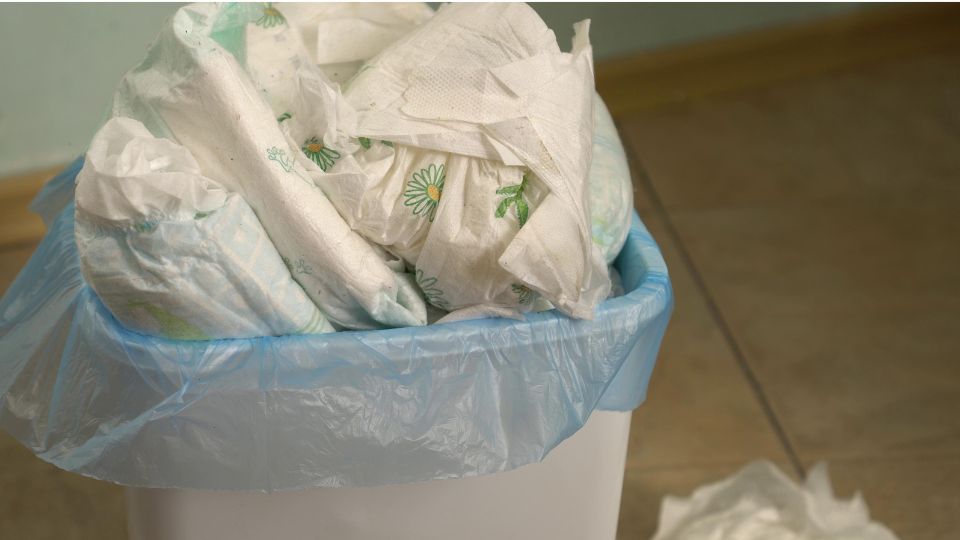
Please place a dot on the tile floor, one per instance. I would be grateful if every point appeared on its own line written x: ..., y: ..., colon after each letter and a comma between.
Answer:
x: 811, y: 232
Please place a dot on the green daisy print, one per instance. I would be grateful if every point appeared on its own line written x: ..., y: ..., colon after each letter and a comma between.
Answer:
x: 431, y: 292
x: 323, y: 156
x: 299, y: 267
x: 424, y: 191
x: 271, y: 17
x: 366, y: 143
x: 524, y: 293
x: 284, y: 116
x: 514, y: 197
x: 280, y: 156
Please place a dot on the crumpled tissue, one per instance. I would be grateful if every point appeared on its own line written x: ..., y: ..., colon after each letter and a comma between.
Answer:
x: 762, y: 503
x: 339, y: 36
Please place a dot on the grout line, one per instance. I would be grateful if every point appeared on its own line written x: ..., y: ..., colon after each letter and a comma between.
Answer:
x: 714, y: 310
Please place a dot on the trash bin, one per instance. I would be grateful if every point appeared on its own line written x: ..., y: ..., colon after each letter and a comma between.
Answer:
x: 432, y: 432
x: 574, y: 494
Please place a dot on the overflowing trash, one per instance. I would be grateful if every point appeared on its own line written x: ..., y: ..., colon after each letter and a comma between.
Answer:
x: 452, y: 167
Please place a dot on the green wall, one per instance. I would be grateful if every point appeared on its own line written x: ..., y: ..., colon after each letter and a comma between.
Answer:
x: 59, y: 63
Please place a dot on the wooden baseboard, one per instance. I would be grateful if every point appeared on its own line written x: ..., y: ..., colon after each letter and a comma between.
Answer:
x: 678, y: 74
x: 761, y: 57
x: 19, y: 226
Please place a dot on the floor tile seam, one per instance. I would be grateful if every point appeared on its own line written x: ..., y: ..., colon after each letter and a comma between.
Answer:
x: 699, y: 282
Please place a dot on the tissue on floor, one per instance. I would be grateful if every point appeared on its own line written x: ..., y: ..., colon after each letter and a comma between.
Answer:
x: 760, y: 502
x: 173, y: 254
x: 193, y: 90
x: 477, y: 133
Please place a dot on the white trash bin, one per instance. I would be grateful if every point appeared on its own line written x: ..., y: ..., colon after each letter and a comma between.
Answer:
x: 448, y: 423
x: 574, y: 494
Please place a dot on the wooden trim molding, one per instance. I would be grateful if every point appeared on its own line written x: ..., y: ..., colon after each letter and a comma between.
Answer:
x: 755, y: 58
x: 18, y: 225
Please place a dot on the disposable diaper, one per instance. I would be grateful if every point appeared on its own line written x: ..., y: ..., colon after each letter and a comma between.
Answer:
x: 485, y: 227
x: 477, y: 133
x: 171, y: 253
x: 218, y: 144
x: 611, y: 188
x: 192, y: 90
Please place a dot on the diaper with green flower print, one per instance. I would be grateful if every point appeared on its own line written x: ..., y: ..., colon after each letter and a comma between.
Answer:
x: 173, y: 254
x: 263, y: 121
x: 454, y: 251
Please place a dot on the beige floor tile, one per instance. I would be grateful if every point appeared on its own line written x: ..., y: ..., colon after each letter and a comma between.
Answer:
x: 918, y: 499
x: 643, y: 490
x: 40, y: 502
x: 12, y: 260
x: 889, y: 131
x: 699, y: 408
x: 849, y: 314
x: 642, y: 201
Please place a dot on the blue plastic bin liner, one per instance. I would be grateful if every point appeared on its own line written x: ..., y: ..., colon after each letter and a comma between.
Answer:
x: 343, y: 409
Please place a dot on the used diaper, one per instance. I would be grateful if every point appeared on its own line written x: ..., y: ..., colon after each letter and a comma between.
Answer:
x: 452, y: 210
x: 611, y: 191
x: 172, y: 253
x: 192, y: 90
x: 476, y: 135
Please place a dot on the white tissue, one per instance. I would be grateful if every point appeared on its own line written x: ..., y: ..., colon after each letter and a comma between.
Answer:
x: 340, y: 36
x: 171, y: 253
x: 192, y: 89
x: 762, y: 503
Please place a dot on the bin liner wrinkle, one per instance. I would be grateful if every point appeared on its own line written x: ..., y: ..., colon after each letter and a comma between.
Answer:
x: 358, y: 408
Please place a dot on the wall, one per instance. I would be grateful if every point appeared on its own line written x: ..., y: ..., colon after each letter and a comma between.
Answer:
x: 619, y: 29
x: 61, y: 62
